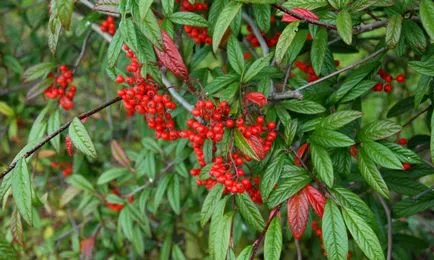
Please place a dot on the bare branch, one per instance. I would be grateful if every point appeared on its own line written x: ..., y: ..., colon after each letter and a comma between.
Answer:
x: 257, y: 33
x: 83, y: 50
x: 389, y: 227
x: 290, y: 94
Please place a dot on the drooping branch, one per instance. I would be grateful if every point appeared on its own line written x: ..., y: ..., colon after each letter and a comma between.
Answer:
x: 290, y: 93
x: 57, y: 132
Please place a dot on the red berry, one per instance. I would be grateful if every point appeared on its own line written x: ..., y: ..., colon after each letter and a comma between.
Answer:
x: 120, y: 79
x: 406, y: 166
x: 388, y: 88
x: 378, y: 87
x: 400, y: 78
x: 402, y: 141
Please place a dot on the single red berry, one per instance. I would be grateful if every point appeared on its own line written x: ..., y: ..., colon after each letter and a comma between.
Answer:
x: 400, y: 78
x: 406, y: 166
x: 388, y: 88
x: 120, y: 79
x: 388, y: 78
x: 402, y: 141
x: 378, y: 87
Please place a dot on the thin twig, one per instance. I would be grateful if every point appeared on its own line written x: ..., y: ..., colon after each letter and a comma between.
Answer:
x: 290, y: 94
x: 416, y: 116
x: 257, y: 33
x: 57, y: 132
x: 389, y: 227
x: 82, y: 52
x: 92, y: 6
x: 298, y: 248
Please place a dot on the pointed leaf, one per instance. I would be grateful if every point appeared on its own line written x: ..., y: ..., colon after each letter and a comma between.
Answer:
x: 298, y: 214
x: 334, y: 233
x: 81, y: 139
x: 273, y: 240
x: 322, y: 164
x: 22, y: 190
x: 345, y: 26
x: 249, y: 211
x: 223, y: 21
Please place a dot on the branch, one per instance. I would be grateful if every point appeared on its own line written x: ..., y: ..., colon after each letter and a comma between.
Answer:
x: 356, y: 29
x: 57, y: 132
x: 298, y: 248
x: 83, y: 50
x: 261, y: 236
x: 257, y: 33
x: 175, y: 93
x: 290, y: 94
x: 416, y: 116
x: 389, y: 227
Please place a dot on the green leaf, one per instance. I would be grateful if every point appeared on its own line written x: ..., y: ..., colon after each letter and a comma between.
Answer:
x: 80, y: 182
x: 296, y: 45
x: 81, y: 139
x: 363, y: 235
x: 378, y: 130
x: 210, y: 203
x: 161, y: 189
x: 53, y: 125
x: 40, y: 70
x: 217, y: 216
x: 370, y: 173
x: 246, y: 253
x: 249, y: 211
x: 235, y: 55
x: 411, y: 206
x: 221, y: 82
x: 262, y: 14
x: 273, y: 240
x: 39, y: 126
x: 53, y: 35
x: 422, y: 89
x: 303, y: 106
x: 188, y: 18
x: 432, y: 138
x: 7, y: 250
x: 413, y: 35
x: 223, y: 21
x: 256, y: 67
x: 288, y: 186
x: 272, y: 175
x: 145, y: 5
x: 290, y: 131
x: 114, y: 49
x: 125, y: 222
x: 334, y: 232
x: 285, y: 40
x: 242, y: 144
x: 424, y: 67
x: 22, y: 190
x: 258, y: 1
x: 322, y: 164
x: 357, y: 6
x: 344, y: 25
x: 319, y: 50
x: 381, y: 155
x: 426, y: 13
x: 150, y: 28
x: 402, y: 153
x: 223, y: 236
x: 111, y: 174
x: 360, y: 89
x: 339, y: 119
x: 401, y: 107
x: 393, y: 31
x: 6, y: 110
x: 348, y: 199
x: 338, y: 4
x: 330, y: 138
x: 307, y: 4
x: 64, y: 10
x: 174, y: 194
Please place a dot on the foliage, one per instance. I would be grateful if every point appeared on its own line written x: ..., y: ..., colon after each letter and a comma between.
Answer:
x: 248, y: 129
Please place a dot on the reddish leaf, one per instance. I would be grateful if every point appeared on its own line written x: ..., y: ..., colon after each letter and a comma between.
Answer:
x: 316, y: 199
x: 257, y: 146
x: 301, y: 12
x: 256, y: 97
x: 86, y: 247
x: 298, y: 213
x: 68, y: 145
x: 119, y: 154
x: 171, y: 58
x: 300, y: 153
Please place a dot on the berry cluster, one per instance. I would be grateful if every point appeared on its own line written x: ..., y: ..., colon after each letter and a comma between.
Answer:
x: 198, y: 34
x: 109, y: 25
x: 318, y: 233
x: 62, y: 88
x: 65, y: 167
x: 187, y: 6
x: 386, y: 85
x: 211, y: 119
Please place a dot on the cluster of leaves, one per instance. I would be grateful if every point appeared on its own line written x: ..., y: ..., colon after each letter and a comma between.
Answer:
x: 138, y: 199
